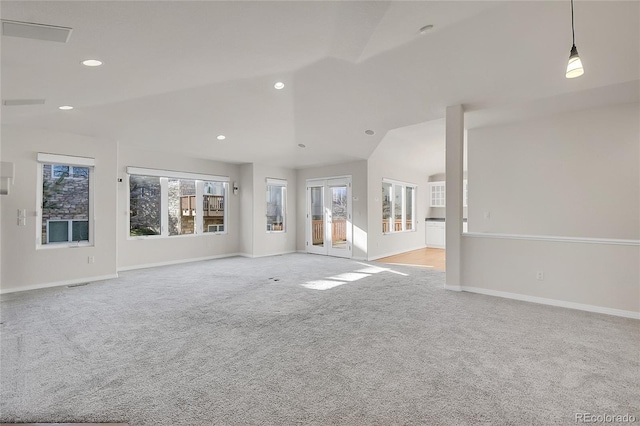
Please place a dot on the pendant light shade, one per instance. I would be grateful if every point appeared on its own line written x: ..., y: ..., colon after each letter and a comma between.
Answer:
x: 574, y: 67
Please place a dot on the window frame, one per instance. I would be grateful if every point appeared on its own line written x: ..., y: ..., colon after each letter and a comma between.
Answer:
x: 282, y: 184
x: 403, y: 206
x: 164, y: 176
x: 70, y: 161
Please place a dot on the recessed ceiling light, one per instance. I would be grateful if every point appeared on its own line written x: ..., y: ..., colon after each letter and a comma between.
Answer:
x: 65, y: 107
x: 221, y: 137
x: 279, y: 85
x: 426, y: 29
x: 301, y: 145
x: 91, y: 63
x: 369, y: 132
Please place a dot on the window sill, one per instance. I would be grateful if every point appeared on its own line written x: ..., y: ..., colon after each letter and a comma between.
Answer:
x: 166, y: 237
x: 399, y: 232
x: 51, y: 246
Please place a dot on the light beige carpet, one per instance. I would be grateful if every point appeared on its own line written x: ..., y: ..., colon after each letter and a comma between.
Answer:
x: 311, y: 340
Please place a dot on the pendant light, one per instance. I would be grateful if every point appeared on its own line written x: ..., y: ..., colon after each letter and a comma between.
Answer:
x: 574, y: 68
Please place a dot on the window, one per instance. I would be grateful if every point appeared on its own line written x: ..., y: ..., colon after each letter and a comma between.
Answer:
x: 213, y: 202
x: 165, y: 203
x: 181, y: 196
x: 65, y: 199
x: 276, y: 204
x: 409, y: 193
x: 144, y: 205
x: 65, y: 231
x: 59, y: 170
x: 398, y: 206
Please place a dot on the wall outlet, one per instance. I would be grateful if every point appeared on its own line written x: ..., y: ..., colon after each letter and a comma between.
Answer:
x: 91, y: 259
x: 540, y: 275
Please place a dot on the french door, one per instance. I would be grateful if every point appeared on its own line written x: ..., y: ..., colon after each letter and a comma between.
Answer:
x: 329, y: 227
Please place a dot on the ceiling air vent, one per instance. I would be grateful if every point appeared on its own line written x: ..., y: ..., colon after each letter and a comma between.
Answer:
x: 20, y: 102
x: 35, y: 31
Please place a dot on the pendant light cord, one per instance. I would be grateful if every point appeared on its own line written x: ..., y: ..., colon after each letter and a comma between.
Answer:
x: 573, y: 33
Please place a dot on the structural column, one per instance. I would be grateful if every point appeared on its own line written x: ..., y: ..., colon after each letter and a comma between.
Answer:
x: 454, y: 136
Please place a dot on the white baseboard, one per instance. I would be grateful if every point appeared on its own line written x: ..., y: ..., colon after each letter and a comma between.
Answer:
x: 553, y: 302
x: 176, y: 262
x: 265, y: 255
x: 59, y: 283
x: 453, y: 287
x: 361, y: 258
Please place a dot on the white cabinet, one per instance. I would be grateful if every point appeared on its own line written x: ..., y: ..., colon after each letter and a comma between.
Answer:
x: 436, y: 236
x: 437, y: 194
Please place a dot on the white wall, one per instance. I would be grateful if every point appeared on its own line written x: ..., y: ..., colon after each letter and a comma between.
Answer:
x: 358, y: 171
x: 388, y: 162
x: 142, y: 252
x: 24, y: 266
x: 573, y: 175
x: 594, y: 275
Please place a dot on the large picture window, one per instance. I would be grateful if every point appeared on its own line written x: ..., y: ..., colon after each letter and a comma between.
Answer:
x: 398, y: 206
x: 276, y: 205
x: 166, y: 203
x: 65, y: 199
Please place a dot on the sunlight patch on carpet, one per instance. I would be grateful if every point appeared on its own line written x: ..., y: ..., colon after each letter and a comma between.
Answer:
x: 349, y: 276
x: 322, y: 284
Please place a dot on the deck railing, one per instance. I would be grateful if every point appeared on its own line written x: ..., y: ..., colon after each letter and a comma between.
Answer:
x: 397, y: 225
x: 338, y: 231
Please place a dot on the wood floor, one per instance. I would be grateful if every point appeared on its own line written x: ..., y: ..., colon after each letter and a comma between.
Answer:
x: 426, y: 257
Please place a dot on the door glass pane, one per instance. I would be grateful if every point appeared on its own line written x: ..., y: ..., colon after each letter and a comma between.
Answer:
x: 317, y: 219
x: 339, y: 217
x: 386, y: 206
x: 58, y: 231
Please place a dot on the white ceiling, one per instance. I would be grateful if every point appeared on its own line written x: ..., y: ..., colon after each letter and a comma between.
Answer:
x: 178, y: 73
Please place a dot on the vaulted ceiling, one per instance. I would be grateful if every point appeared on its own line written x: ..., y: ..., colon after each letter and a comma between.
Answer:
x: 178, y: 73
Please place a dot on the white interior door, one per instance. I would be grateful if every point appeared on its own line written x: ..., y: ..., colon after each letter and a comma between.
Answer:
x: 329, y: 218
